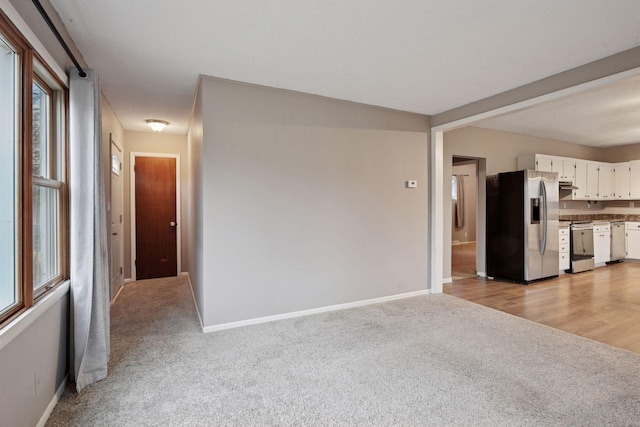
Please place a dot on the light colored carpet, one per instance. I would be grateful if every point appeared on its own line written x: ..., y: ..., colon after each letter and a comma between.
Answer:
x: 432, y: 360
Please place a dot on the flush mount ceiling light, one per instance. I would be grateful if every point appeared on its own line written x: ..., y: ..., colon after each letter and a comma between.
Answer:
x: 157, y: 125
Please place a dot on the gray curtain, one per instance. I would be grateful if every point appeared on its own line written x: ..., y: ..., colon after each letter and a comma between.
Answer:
x: 89, y: 261
x: 460, y: 201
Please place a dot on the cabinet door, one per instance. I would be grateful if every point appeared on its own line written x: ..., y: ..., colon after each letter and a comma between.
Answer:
x: 592, y: 181
x: 634, y: 179
x: 601, y: 245
x: 633, y: 243
x: 605, y: 182
x: 621, y: 181
x: 544, y: 163
x: 568, y: 170
x: 581, y: 181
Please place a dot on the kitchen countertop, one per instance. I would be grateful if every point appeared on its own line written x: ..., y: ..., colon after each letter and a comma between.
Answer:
x: 599, y: 217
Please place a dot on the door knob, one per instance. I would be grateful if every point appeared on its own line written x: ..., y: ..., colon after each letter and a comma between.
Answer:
x: 172, y: 223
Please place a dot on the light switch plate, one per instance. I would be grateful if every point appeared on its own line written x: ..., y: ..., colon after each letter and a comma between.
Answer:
x: 411, y: 184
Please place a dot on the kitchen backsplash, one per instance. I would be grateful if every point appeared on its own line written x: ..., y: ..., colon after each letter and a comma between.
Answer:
x: 601, y: 210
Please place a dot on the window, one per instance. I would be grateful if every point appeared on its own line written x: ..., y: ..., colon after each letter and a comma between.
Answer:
x: 9, y: 228
x: 454, y: 188
x: 33, y: 243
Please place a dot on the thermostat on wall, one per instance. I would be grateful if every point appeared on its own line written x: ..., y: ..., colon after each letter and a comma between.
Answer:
x: 411, y: 184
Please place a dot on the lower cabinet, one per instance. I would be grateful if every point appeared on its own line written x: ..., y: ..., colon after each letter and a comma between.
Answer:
x: 565, y: 258
x: 601, y: 244
x: 633, y: 240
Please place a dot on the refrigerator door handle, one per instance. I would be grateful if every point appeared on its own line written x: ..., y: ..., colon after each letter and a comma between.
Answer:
x: 543, y: 240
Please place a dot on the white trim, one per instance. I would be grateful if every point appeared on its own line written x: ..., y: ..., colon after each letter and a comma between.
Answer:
x: 447, y: 280
x: 132, y: 204
x: 437, y: 158
x: 481, y: 274
x: 22, y: 322
x: 318, y: 310
x: 54, y: 401
x: 129, y: 280
x: 436, y: 254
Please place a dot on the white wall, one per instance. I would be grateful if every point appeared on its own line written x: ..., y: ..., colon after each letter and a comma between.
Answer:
x: 303, y: 202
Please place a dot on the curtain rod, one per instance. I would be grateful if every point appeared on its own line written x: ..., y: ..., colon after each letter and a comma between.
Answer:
x: 53, y: 28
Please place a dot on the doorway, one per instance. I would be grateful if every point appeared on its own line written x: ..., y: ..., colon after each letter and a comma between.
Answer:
x: 117, y: 242
x: 155, y: 215
x: 464, y: 209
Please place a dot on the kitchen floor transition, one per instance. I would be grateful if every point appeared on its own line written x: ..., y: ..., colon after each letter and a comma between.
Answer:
x: 603, y: 304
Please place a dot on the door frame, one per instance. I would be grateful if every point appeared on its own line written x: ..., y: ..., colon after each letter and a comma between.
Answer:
x: 112, y: 143
x: 132, y: 204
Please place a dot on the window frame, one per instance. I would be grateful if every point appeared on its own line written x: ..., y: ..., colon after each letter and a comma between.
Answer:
x: 31, y: 68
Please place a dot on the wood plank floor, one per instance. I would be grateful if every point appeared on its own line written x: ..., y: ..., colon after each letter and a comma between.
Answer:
x: 603, y: 304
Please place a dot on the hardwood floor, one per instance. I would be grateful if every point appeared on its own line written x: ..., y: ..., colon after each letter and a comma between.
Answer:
x: 603, y: 304
x: 463, y: 260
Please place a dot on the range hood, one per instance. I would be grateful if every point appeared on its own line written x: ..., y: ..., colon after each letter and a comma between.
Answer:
x: 567, y: 185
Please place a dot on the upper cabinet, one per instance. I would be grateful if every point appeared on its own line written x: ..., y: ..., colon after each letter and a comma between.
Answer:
x: 621, y: 181
x: 594, y: 180
x: 586, y: 180
x: 605, y: 181
x: 565, y: 167
x: 634, y: 179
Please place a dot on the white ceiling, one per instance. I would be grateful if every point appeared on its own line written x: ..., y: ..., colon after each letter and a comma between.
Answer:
x: 424, y: 56
x: 604, y: 117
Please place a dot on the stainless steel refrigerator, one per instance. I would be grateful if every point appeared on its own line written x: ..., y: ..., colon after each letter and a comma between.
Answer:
x: 522, y: 225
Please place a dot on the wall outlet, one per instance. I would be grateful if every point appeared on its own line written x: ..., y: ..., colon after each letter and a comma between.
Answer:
x: 411, y: 184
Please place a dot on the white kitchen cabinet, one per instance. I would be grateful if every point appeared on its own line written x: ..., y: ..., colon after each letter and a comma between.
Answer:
x: 564, y: 254
x: 601, y: 244
x: 633, y: 240
x: 605, y: 182
x: 566, y: 169
x: 634, y: 179
x: 621, y: 181
x: 563, y: 166
x: 536, y: 162
x: 586, y: 180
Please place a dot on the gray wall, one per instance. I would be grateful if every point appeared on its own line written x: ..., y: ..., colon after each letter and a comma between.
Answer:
x: 34, y: 364
x: 621, y: 153
x: 303, y: 202
x: 196, y: 226
x: 154, y: 143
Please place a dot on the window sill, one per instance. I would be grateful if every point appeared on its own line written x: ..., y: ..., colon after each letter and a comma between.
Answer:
x: 24, y: 320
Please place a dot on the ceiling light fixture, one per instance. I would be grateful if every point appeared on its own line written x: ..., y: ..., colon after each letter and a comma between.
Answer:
x: 157, y: 125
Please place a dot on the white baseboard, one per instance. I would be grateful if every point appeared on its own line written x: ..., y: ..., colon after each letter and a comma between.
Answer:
x: 129, y: 280
x: 54, y: 401
x: 318, y: 310
x: 482, y: 274
x: 447, y: 280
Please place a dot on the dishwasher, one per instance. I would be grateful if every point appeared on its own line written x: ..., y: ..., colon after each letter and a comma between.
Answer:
x: 582, y: 247
x: 618, y: 250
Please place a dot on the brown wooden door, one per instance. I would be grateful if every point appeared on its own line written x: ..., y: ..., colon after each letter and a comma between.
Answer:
x: 156, y: 228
